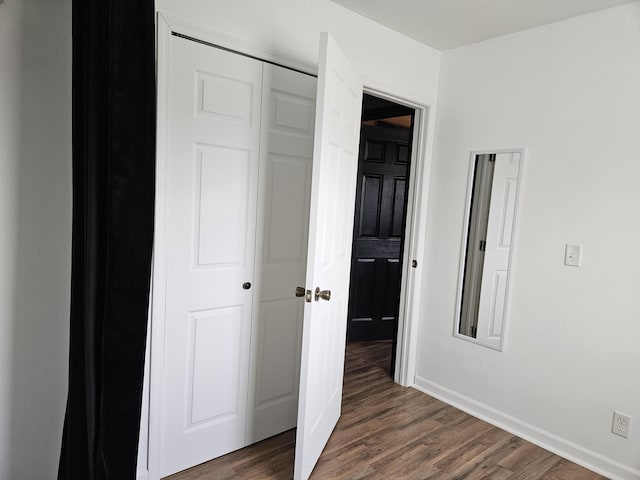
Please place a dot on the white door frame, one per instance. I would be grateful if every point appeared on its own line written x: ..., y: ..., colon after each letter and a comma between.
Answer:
x: 415, y: 232
x: 411, y: 284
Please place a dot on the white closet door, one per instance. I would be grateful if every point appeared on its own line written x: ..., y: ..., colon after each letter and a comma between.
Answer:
x: 335, y: 162
x: 288, y: 111
x: 212, y: 181
x: 492, y: 305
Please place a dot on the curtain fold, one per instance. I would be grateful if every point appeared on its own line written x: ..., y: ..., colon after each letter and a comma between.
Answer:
x: 113, y: 207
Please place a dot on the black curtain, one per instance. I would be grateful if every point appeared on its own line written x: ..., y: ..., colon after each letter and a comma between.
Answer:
x: 113, y: 202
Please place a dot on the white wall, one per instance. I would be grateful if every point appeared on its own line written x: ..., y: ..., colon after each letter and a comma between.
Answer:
x: 570, y: 94
x: 291, y: 29
x: 35, y: 239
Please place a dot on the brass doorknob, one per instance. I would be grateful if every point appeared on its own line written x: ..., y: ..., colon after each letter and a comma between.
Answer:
x: 322, y: 294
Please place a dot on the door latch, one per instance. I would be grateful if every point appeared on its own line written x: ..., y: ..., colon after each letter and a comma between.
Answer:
x: 301, y: 292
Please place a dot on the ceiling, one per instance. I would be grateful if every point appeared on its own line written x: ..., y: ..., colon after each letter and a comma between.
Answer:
x: 445, y: 24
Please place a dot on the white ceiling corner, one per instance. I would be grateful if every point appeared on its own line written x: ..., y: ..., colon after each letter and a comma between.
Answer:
x: 446, y: 24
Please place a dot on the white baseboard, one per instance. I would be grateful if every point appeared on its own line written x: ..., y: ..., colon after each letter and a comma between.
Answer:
x: 142, y: 474
x: 560, y: 446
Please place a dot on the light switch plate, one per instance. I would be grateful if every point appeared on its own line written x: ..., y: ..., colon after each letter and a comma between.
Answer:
x: 573, y: 255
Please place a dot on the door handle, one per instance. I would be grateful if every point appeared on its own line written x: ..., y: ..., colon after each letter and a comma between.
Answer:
x: 301, y: 292
x: 246, y: 285
x: 322, y: 294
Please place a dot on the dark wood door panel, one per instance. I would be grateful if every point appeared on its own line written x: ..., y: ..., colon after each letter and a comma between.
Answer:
x: 378, y: 235
x: 372, y: 248
x: 370, y: 203
x: 364, y: 289
x: 391, y: 290
x: 373, y: 151
x: 399, y: 207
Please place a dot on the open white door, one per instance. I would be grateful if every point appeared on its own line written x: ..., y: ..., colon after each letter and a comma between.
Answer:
x: 493, y: 295
x: 337, y: 132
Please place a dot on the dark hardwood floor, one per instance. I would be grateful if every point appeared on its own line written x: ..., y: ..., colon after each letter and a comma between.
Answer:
x: 390, y: 432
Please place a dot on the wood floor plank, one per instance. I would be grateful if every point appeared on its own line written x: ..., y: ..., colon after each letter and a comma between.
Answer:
x: 390, y: 432
x: 566, y: 470
x: 460, y: 463
x: 523, y: 456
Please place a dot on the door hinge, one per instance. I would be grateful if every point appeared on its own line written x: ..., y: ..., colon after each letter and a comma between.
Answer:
x: 483, y: 245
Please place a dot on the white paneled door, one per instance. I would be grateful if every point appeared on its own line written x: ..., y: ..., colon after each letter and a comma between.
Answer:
x: 493, y: 295
x: 288, y: 114
x: 211, y: 198
x: 250, y: 158
x: 335, y: 163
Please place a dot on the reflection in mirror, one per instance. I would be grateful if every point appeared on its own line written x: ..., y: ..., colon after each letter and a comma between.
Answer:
x: 477, y: 233
x: 489, y: 232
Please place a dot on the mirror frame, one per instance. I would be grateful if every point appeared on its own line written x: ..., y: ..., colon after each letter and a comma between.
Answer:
x: 463, y: 248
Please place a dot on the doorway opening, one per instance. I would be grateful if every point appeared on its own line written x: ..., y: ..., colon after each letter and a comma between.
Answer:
x: 384, y: 165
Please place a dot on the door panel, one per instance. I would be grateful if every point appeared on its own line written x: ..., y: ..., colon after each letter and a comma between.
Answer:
x: 223, y: 177
x: 213, y: 157
x: 329, y: 254
x: 215, y: 337
x: 392, y: 280
x: 369, y: 221
x: 399, y: 207
x: 491, y: 307
x: 378, y: 234
x: 288, y: 118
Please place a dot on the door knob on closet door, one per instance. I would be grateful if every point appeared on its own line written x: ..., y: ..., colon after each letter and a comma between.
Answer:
x: 322, y: 294
x: 246, y: 285
x: 301, y: 292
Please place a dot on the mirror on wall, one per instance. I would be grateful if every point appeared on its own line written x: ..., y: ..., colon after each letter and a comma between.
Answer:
x: 483, y: 291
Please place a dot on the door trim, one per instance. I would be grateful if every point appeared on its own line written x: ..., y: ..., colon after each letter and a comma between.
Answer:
x: 415, y: 232
x: 159, y: 265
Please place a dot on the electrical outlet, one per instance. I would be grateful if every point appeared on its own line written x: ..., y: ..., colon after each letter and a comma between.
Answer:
x: 621, y: 424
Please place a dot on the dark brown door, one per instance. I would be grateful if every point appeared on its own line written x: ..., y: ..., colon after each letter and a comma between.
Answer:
x: 378, y: 234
